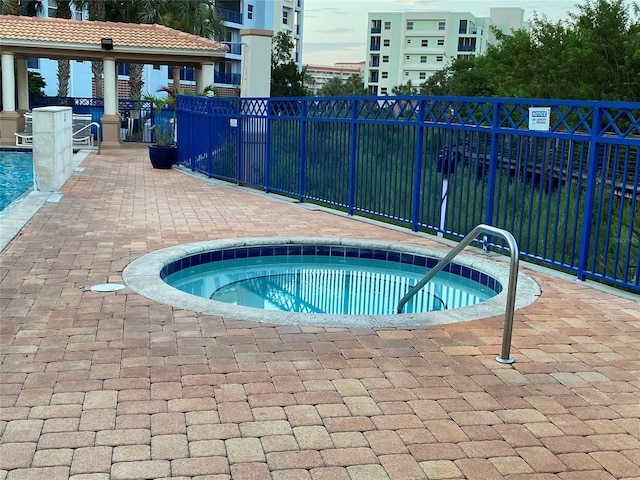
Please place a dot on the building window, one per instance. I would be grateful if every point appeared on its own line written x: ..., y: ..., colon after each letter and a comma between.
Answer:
x: 156, y: 67
x: 386, y: 43
x: 285, y: 17
x: 375, y: 26
x: 385, y: 74
x: 440, y: 42
x: 250, y: 12
x: 442, y: 25
x: 387, y: 25
x: 373, y: 89
x: 425, y: 43
x: 406, y: 74
x: 383, y: 91
x: 33, y: 62
x: 462, y: 30
x: 409, y: 25
x: 439, y: 58
x: 408, y: 57
x: 123, y: 69
x: 374, y: 46
x: 423, y: 75
x: 423, y: 59
x: 385, y: 59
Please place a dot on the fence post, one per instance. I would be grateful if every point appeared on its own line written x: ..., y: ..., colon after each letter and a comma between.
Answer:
x: 267, y: 146
x: 417, y: 176
x: 493, y: 163
x: 303, y: 151
x: 241, y: 126
x: 592, y: 174
x: 352, y: 157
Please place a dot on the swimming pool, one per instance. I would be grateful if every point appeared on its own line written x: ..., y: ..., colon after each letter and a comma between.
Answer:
x: 16, y: 175
x: 145, y: 276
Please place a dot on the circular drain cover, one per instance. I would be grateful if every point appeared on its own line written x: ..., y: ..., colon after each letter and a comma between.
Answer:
x: 107, y: 287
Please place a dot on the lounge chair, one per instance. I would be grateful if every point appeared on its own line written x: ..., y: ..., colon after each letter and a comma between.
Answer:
x: 26, y: 138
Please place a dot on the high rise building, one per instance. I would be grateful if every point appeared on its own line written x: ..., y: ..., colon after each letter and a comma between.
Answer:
x: 403, y: 46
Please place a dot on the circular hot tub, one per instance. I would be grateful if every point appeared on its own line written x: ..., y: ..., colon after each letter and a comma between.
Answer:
x: 324, y: 282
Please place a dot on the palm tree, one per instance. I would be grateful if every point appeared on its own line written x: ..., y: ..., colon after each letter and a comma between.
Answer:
x: 64, y: 65
x: 30, y: 8
x: 198, y: 17
x: 97, y: 12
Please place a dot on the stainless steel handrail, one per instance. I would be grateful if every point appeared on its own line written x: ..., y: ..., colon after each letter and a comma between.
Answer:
x: 505, y: 356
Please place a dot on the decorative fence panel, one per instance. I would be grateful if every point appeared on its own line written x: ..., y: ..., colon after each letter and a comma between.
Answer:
x: 562, y: 176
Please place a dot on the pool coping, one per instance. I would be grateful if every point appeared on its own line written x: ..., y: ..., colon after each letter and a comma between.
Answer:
x: 143, y: 276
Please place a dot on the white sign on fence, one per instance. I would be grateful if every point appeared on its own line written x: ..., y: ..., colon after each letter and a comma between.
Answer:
x: 539, y: 118
x: 233, y: 122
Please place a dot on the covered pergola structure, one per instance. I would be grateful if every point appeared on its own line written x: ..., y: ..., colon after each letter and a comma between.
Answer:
x: 22, y: 38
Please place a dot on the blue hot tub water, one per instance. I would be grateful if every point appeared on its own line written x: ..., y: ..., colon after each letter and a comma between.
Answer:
x: 326, y: 279
x: 16, y: 175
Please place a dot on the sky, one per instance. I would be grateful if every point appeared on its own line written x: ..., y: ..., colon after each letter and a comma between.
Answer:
x: 335, y: 31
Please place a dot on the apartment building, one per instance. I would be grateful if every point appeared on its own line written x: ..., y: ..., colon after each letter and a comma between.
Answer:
x: 276, y: 15
x: 319, y: 75
x: 404, y: 46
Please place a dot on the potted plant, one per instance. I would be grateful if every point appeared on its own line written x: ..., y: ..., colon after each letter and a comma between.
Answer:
x: 164, y: 151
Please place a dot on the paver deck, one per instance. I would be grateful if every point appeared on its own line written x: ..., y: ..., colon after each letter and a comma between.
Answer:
x: 116, y: 386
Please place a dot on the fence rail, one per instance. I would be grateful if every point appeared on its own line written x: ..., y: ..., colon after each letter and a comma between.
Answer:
x: 569, y: 194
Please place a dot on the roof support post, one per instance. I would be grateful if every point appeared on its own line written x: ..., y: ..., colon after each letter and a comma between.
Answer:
x: 111, y: 119
x: 204, y: 76
x: 8, y: 116
x: 8, y: 83
x: 22, y: 84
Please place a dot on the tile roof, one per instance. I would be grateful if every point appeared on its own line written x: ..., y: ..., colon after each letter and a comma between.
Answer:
x: 34, y: 29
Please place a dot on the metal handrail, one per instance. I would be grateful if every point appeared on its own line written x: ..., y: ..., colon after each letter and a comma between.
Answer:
x: 505, y: 356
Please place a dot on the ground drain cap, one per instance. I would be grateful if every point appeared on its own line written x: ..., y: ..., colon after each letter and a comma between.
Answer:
x: 107, y: 287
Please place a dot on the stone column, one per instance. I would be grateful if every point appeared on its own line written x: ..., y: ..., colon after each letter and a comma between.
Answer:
x: 111, y: 118
x: 256, y: 63
x: 255, y: 83
x: 8, y: 116
x: 52, y: 147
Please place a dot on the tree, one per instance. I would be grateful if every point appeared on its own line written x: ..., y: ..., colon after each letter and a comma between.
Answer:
x: 437, y: 84
x: 595, y: 55
x: 64, y: 65
x: 404, y: 89
x: 198, y: 17
x: 336, y: 87
x: 286, y: 79
x: 36, y: 84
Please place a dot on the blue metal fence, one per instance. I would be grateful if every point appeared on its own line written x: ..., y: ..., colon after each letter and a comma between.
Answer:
x: 570, y: 194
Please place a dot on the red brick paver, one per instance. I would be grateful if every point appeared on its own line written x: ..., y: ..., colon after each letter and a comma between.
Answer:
x: 113, y: 385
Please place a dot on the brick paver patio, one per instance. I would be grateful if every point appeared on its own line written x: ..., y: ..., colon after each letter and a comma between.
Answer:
x: 114, y: 386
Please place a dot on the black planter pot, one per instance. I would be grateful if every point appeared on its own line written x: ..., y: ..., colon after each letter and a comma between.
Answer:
x: 163, y: 157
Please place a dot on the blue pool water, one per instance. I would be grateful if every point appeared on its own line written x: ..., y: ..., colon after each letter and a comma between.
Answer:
x: 16, y: 175
x: 327, y: 284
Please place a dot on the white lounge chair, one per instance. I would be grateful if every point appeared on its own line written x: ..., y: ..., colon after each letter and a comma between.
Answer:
x: 26, y: 138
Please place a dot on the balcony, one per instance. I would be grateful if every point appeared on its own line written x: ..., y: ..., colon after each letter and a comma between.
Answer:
x: 230, y: 16
x: 466, y: 48
x: 376, y: 29
x: 374, y: 63
x: 234, y: 48
x: 226, y: 78
x: 375, y: 48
